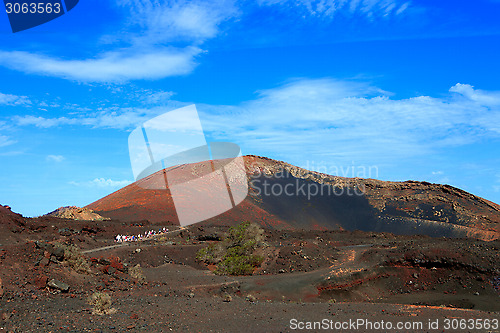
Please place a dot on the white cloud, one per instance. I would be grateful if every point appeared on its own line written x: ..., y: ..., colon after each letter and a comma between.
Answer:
x: 487, y: 98
x: 8, y: 99
x: 169, y: 21
x: 55, y: 158
x: 402, y: 8
x: 6, y: 141
x: 350, y: 120
x: 154, y: 97
x: 101, y: 182
x: 117, y: 66
x: 328, y: 8
x: 327, y: 117
x: 124, y: 118
x: 150, y: 26
x: 43, y: 122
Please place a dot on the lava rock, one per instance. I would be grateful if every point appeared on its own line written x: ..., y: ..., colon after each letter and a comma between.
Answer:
x: 209, y: 237
x: 64, y: 287
x: 57, y: 252
x: 41, y: 281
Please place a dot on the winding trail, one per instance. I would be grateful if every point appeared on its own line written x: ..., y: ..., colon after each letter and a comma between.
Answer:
x: 130, y: 243
x: 300, y: 285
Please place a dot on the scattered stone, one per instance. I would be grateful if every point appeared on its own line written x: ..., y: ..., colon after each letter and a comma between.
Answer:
x: 251, y: 298
x: 476, y: 294
x: 227, y: 298
x: 37, y: 262
x: 65, y: 232
x: 103, y: 261
x: 90, y: 230
x: 44, y: 246
x: 57, y: 252
x: 191, y: 295
x: 137, y: 250
x: 41, y: 281
x: 44, y: 262
x: 209, y: 237
x: 415, y: 275
x: 110, y: 270
x: 64, y: 287
x: 1, y: 288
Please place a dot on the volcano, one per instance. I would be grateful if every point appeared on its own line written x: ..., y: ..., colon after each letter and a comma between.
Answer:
x: 283, y: 196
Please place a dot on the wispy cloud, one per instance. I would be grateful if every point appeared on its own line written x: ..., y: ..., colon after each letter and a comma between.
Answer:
x: 8, y: 99
x: 351, y: 120
x: 55, y: 158
x: 192, y: 21
x: 327, y: 117
x: 102, y: 182
x: 118, y: 66
x: 116, y: 118
x: 6, y: 141
x: 150, y: 26
x: 328, y: 8
x: 150, y: 97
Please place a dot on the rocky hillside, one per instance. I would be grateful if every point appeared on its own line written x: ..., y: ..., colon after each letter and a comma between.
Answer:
x: 76, y: 213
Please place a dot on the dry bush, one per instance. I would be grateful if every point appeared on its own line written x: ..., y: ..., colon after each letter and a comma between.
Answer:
x: 101, y: 303
x: 74, y: 258
x: 137, y: 273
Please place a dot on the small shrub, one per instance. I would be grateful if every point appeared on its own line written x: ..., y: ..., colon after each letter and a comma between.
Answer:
x: 101, y: 303
x: 212, y: 254
x: 251, y: 298
x: 137, y: 273
x: 74, y: 258
x: 235, y: 254
x: 239, y: 265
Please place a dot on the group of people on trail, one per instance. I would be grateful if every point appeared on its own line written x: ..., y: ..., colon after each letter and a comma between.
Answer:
x: 134, y: 238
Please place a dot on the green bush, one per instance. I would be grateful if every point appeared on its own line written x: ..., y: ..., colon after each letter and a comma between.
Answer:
x: 234, y: 255
x: 212, y: 254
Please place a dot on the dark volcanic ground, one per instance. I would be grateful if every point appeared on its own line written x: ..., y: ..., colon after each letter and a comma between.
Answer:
x: 308, y: 275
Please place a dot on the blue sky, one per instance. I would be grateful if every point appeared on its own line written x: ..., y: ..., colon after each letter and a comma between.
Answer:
x: 407, y: 88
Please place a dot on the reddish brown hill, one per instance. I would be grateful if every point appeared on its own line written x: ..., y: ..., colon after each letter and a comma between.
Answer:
x: 320, y: 201
x: 10, y: 224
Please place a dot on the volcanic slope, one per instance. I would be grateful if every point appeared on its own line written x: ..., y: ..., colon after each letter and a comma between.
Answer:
x: 317, y: 201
